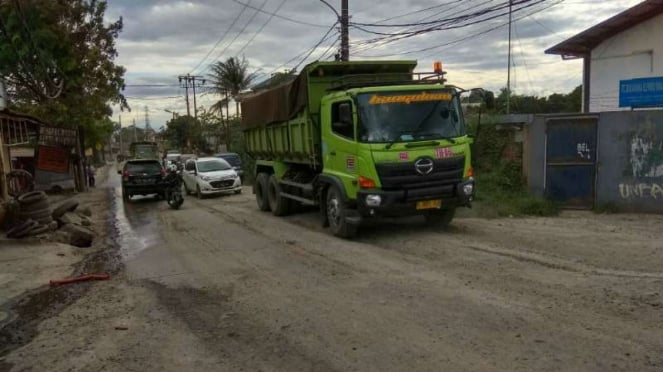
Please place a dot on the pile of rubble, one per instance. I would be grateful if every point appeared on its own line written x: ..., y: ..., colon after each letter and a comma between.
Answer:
x: 63, y: 224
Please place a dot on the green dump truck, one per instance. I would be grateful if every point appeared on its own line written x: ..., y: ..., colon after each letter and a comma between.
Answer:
x: 360, y: 139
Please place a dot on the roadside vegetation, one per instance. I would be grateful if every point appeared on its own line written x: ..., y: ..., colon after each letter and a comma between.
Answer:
x: 497, y: 157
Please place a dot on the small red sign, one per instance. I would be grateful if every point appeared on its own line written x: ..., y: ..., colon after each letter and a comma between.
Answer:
x: 444, y: 152
x: 52, y: 159
x: 404, y: 156
x: 350, y: 163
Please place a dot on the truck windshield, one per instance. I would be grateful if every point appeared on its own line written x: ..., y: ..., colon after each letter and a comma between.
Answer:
x: 409, y: 116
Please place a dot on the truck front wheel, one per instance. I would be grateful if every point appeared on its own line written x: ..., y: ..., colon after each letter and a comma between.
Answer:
x: 336, y: 215
x: 440, y: 218
x: 278, y: 204
x: 261, y: 191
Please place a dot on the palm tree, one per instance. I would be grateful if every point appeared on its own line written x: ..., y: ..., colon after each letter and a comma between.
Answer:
x: 232, y: 76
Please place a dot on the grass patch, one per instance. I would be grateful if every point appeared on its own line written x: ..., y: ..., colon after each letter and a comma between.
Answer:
x: 500, y: 193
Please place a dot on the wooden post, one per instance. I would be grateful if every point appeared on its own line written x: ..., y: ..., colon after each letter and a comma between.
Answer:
x: 3, y: 167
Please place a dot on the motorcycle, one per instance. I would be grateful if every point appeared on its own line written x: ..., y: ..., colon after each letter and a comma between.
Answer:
x: 173, y: 188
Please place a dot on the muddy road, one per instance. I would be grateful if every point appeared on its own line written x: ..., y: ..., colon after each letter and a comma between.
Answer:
x: 219, y: 285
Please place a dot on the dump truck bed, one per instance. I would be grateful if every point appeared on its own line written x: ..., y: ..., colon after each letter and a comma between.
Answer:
x: 283, y: 123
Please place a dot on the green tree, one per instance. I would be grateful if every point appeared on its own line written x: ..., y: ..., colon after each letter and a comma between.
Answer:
x: 232, y: 76
x: 184, y: 132
x: 57, y: 57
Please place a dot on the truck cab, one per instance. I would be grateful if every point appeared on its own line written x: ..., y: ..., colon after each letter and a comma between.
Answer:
x: 398, y: 150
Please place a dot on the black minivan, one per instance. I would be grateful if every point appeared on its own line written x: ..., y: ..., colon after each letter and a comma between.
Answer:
x: 234, y: 160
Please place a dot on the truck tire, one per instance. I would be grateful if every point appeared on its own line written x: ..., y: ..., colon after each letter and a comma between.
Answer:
x: 279, y: 205
x: 440, y: 218
x: 67, y: 206
x: 336, y: 213
x: 261, y: 192
x: 32, y: 197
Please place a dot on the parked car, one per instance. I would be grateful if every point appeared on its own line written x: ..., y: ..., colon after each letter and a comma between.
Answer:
x: 206, y: 176
x: 235, y: 160
x: 142, y: 177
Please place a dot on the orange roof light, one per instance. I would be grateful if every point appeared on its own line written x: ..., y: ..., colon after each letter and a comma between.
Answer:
x: 437, y: 67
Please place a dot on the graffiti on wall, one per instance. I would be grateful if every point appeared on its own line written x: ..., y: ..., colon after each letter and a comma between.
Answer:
x: 641, y: 190
x: 646, y: 157
x: 645, y: 169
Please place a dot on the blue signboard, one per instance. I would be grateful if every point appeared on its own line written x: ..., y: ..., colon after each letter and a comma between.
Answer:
x: 644, y: 92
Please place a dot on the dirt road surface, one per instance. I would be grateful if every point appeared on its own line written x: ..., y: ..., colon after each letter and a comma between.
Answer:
x: 219, y: 285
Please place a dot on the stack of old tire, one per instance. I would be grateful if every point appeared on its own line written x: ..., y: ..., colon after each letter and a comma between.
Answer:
x: 34, y: 214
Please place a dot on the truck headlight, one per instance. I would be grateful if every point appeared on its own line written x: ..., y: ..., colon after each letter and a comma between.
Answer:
x: 468, y: 189
x: 373, y: 200
x: 205, y: 178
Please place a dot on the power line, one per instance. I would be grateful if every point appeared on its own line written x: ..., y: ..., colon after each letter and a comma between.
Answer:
x: 315, y: 46
x: 223, y: 36
x: 332, y: 8
x: 151, y: 85
x: 279, y: 16
x: 153, y: 98
x: 383, y: 40
x: 261, y: 28
x: 297, y: 56
x: 437, y: 21
x: 468, y: 37
x: 239, y: 33
x: 417, y: 11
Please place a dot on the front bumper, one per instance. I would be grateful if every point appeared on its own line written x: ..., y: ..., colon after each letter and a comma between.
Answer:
x: 404, y: 202
x: 207, y: 188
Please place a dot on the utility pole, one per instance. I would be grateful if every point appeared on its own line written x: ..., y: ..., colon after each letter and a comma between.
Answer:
x: 147, y: 124
x: 135, y: 131
x: 121, y: 149
x: 508, y: 73
x: 345, y: 38
x: 189, y: 81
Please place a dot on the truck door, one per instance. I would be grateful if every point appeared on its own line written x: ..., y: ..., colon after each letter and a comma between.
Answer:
x: 340, y: 157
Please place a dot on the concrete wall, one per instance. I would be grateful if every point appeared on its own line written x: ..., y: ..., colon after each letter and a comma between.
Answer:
x: 634, y: 53
x: 630, y: 174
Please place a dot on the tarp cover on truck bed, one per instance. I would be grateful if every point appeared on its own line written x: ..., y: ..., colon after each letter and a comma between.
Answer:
x: 277, y: 104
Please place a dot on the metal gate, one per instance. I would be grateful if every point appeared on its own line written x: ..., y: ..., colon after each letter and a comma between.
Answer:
x: 571, y: 161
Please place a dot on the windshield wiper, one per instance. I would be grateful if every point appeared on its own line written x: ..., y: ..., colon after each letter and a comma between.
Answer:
x: 392, y: 142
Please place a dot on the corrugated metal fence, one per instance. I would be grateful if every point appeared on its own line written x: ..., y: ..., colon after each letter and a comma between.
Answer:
x: 603, y: 159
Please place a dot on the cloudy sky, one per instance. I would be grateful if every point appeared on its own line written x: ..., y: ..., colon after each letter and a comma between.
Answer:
x: 166, y: 38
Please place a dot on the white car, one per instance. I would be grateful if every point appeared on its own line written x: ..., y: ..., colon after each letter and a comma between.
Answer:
x: 207, y: 176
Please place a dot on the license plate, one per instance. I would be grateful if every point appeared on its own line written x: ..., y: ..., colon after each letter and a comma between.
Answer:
x: 429, y: 204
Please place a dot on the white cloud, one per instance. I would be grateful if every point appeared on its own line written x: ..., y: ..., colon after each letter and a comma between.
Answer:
x: 163, y: 39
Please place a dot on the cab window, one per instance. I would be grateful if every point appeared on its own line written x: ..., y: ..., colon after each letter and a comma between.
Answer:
x: 342, y: 123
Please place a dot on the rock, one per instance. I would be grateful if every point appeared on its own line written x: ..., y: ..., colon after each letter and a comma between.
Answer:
x: 67, y: 206
x: 71, y: 218
x: 85, y: 221
x: 80, y: 236
x: 61, y: 237
x: 53, y: 225
x: 85, y: 211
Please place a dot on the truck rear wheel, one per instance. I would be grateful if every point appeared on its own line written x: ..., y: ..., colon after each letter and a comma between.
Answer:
x: 440, y: 218
x: 261, y: 191
x: 280, y: 206
x: 336, y: 215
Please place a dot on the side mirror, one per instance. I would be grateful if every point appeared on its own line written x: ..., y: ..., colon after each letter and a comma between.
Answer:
x: 345, y: 113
